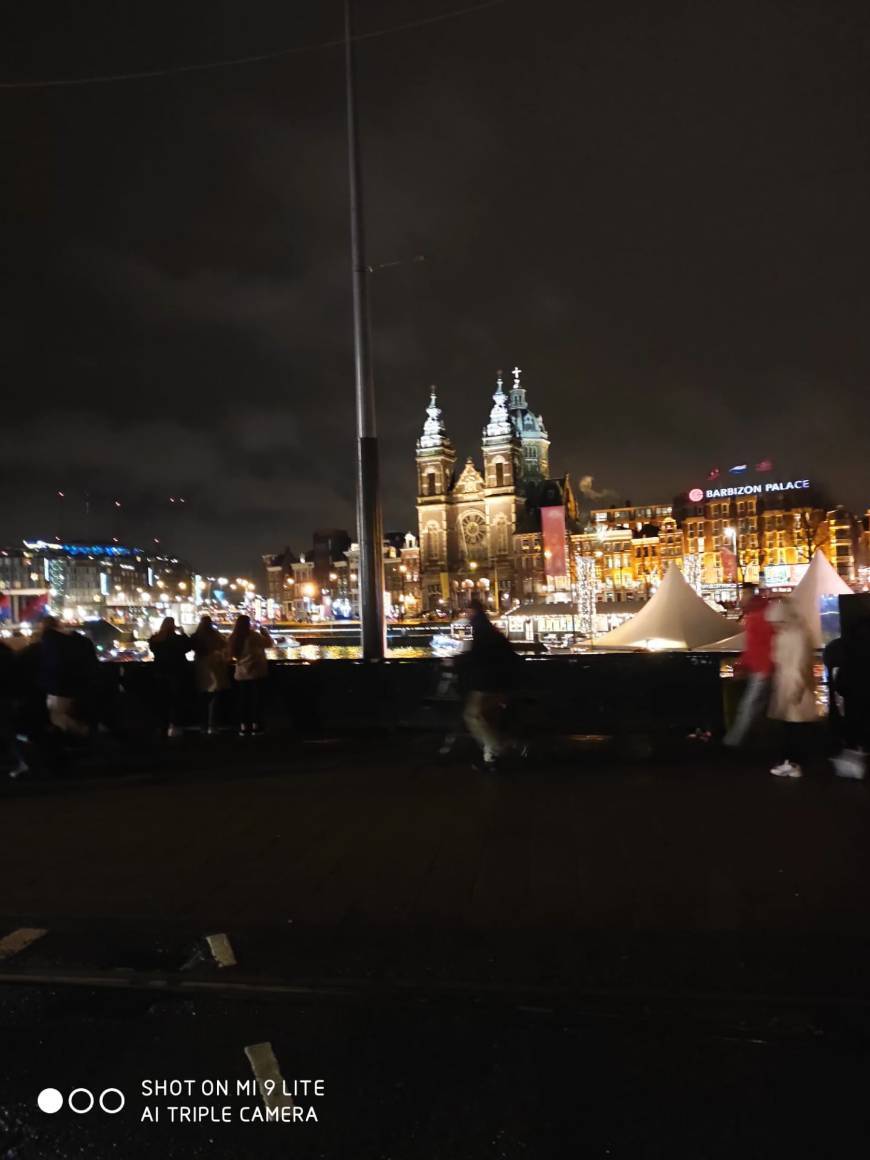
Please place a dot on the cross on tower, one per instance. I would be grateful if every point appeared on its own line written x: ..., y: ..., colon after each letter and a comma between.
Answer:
x: 517, y: 372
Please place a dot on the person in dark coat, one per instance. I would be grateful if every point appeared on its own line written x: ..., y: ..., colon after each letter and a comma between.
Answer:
x: 169, y: 647
x: 852, y: 685
x: 833, y: 655
x: 64, y: 676
x: 10, y: 751
x: 488, y: 672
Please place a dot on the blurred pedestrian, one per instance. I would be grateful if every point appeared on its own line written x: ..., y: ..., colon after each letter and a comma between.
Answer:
x: 247, y: 647
x: 64, y: 678
x: 793, y: 693
x: 852, y: 687
x: 169, y: 647
x: 10, y: 751
x: 756, y: 662
x: 210, y: 669
x: 488, y: 672
x: 833, y: 655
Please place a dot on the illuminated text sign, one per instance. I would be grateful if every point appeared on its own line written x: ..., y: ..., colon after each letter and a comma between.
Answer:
x: 755, y: 489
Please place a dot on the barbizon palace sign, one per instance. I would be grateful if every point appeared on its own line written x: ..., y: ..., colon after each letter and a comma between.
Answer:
x: 696, y: 495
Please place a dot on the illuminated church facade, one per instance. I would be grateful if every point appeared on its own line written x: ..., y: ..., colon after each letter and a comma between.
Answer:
x: 481, y: 530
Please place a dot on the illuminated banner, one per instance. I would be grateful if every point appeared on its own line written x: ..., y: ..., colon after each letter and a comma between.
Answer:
x: 729, y: 565
x: 553, y: 531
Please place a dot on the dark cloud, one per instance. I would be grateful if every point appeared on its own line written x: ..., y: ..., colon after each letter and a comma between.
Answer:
x: 659, y: 212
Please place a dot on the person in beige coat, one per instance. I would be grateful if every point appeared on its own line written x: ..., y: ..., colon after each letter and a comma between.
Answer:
x: 793, y: 692
x: 247, y: 647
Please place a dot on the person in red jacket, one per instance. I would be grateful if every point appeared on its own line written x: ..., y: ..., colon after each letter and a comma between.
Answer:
x: 756, y: 662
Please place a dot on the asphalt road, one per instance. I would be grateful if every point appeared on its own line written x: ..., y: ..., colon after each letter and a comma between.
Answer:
x: 579, y: 957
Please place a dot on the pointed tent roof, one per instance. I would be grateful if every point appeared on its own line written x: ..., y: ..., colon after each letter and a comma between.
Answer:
x: 820, y: 579
x: 676, y: 617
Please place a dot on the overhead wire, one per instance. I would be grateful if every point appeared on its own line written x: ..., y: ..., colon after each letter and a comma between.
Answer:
x: 277, y: 54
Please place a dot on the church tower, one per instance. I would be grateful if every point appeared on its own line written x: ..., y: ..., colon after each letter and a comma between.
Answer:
x: 436, y: 459
x: 532, y: 433
x: 503, y: 474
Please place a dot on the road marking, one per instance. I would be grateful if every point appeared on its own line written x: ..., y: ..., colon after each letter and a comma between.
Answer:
x: 266, y: 1070
x: 221, y: 949
x: 19, y: 940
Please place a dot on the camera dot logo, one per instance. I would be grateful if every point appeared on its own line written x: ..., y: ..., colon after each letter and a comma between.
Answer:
x: 49, y: 1101
x: 81, y: 1100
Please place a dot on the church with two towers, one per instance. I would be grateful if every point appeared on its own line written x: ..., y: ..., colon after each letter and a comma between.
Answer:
x: 480, y: 532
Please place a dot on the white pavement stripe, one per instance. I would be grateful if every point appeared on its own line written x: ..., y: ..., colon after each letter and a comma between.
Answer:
x: 265, y: 1067
x: 221, y: 949
x: 19, y: 940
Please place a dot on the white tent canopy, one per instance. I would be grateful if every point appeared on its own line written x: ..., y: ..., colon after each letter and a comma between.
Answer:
x: 675, y: 618
x: 819, y: 580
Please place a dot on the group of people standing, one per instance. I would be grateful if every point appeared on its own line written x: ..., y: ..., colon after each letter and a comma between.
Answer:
x: 55, y: 697
x: 213, y: 654
x: 777, y: 662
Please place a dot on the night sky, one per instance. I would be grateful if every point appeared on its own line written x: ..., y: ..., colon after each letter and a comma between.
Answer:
x: 659, y: 211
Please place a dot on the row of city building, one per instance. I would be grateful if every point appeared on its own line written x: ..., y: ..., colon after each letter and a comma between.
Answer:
x: 505, y: 532
x: 509, y: 533
x: 321, y: 583
x: 129, y: 586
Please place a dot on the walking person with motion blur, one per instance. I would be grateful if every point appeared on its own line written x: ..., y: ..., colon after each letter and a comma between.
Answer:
x: 210, y: 669
x: 169, y: 647
x: 247, y: 647
x: 65, y: 677
x: 849, y: 670
x: 10, y: 751
x: 793, y: 694
x: 488, y: 672
x: 756, y: 662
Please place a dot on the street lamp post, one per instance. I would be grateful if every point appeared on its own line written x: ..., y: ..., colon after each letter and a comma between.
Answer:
x: 369, y: 518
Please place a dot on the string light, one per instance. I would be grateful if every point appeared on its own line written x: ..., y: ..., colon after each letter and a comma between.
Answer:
x: 692, y: 572
x: 587, y: 592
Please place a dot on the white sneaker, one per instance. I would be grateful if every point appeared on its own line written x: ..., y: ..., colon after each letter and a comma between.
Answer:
x: 175, y: 731
x: 787, y: 769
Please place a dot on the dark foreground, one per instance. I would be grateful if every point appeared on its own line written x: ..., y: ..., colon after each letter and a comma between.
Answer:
x: 583, y: 957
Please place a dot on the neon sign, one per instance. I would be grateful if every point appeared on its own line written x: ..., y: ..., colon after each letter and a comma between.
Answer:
x: 754, y: 489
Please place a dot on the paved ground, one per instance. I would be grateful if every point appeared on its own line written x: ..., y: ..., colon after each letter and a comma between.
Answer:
x: 582, y: 955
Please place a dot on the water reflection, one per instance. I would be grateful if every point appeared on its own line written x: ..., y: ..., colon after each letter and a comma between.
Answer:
x: 342, y: 652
